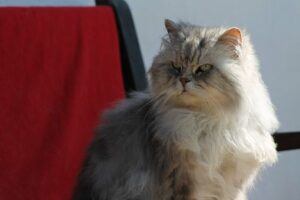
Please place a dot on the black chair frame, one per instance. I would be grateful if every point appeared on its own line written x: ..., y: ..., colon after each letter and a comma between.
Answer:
x: 131, y: 58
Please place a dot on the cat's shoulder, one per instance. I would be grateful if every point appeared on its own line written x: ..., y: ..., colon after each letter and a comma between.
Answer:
x: 124, y: 119
x: 133, y: 107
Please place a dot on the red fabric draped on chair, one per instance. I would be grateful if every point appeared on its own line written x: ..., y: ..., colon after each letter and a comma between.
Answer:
x: 59, y: 68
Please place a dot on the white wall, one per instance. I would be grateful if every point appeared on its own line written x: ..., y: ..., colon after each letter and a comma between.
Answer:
x: 275, y: 29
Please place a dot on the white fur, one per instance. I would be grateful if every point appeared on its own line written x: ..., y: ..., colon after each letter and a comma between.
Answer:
x: 232, y: 145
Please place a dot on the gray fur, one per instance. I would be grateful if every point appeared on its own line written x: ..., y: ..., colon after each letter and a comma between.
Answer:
x: 120, y: 159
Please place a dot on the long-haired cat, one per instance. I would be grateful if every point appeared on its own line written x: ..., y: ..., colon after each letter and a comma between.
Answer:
x: 201, y: 132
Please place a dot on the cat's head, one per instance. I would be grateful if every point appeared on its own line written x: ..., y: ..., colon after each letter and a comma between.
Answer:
x: 198, y: 67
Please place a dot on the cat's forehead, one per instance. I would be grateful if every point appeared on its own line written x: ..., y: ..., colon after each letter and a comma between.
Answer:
x: 201, y: 35
x: 191, y: 51
x: 194, y: 44
x: 193, y: 48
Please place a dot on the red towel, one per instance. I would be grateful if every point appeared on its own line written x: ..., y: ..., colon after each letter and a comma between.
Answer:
x: 59, y: 67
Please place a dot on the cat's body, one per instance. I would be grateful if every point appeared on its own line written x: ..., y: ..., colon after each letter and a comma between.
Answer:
x: 196, y: 135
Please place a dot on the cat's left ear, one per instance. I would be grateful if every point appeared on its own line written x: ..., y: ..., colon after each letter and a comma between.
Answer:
x: 231, y: 38
x: 174, y: 29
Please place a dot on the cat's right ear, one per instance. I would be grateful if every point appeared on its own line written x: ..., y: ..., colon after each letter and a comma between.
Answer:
x: 232, y: 39
x: 173, y: 29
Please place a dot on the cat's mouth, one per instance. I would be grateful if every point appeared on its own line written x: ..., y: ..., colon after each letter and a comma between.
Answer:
x: 185, y: 92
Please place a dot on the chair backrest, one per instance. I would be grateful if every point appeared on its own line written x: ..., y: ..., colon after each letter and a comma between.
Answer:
x: 132, y: 62
x: 59, y: 68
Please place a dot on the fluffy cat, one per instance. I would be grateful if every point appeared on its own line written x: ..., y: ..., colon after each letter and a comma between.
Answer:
x: 201, y: 132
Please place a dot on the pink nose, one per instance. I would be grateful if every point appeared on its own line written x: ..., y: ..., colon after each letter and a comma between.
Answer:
x: 184, y: 80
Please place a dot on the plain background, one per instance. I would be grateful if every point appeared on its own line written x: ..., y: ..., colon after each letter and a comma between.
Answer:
x: 275, y: 30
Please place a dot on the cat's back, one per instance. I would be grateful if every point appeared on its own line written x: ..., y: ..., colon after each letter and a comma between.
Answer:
x: 118, y: 153
x: 125, y: 125
x: 127, y: 116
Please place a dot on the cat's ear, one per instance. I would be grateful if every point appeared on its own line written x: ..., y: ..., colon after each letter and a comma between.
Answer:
x: 171, y: 26
x: 231, y: 38
x: 173, y: 29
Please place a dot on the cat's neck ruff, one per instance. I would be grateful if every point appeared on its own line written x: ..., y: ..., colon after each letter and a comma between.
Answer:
x: 198, y: 132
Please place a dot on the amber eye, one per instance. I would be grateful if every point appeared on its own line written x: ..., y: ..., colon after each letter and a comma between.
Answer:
x: 177, y: 68
x: 203, y: 68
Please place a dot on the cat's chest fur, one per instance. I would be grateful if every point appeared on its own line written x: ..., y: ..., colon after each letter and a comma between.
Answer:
x: 194, y: 179
x: 200, y: 163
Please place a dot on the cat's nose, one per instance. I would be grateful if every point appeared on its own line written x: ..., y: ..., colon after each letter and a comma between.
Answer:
x: 184, y: 80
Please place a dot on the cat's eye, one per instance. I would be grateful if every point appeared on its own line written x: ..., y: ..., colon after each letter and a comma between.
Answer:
x: 203, y: 68
x: 177, y: 68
